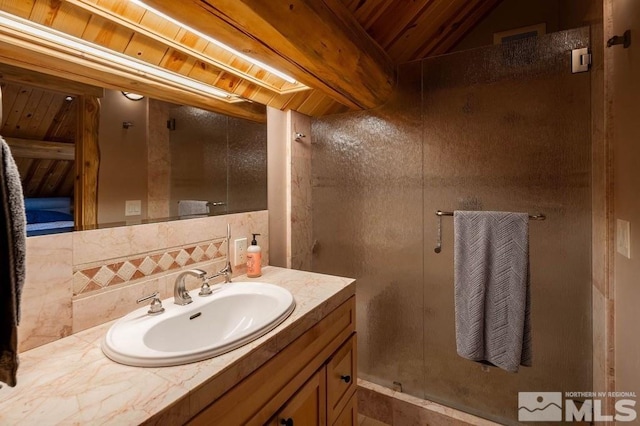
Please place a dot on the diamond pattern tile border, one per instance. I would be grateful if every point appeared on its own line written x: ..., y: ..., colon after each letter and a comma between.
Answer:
x: 143, y: 266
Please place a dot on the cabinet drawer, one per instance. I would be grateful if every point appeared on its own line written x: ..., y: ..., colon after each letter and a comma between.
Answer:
x: 341, y: 378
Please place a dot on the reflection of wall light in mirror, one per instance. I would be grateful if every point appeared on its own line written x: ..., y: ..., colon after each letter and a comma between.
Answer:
x: 217, y: 43
x: 133, y: 96
x: 101, y: 55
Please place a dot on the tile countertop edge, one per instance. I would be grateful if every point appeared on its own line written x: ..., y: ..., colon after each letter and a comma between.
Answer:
x: 81, y: 385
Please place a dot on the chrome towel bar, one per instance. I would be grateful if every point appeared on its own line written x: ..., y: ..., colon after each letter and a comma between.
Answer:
x: 539, y: 216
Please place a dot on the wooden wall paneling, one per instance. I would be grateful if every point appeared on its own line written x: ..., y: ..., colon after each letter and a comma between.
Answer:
x: 87, y: 162
x: 44, y: 188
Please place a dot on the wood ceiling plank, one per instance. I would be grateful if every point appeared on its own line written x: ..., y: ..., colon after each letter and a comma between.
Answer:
x: 59, y: 125
x: 56, y: 174
x: 61, y: 16
x: 406, y: 15
x: 107, y: 34
x: 37, y: 173
x: 160, y: 25
x: 192, y: 41
x: 340, y: 58
x: 178, y: 62
x: 23, y: 126
x: 19, y: 8
x: 368, y: 12
x: 49, y: 115
x: 146, y: 49
x: 66, y: 188
x: 9, y: 93
x: 16, y: 111
x: 39, y: 114
x: 425, y: 27
x: 63, y: 86
x: 220, y: 60
x: 124, y: 8
x: 204, y: 72
x: 466, y: 24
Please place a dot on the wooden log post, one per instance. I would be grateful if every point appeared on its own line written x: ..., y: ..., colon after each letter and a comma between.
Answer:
x: 87, y: 163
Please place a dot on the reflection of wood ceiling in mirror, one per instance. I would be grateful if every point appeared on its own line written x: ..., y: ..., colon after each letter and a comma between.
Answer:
x: 406, y: 30
x: 32, y: 119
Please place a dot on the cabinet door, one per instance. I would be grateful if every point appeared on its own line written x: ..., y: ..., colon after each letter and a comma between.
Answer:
x: 308, y: 406
x: 341, y: 378
x: 349, y: 415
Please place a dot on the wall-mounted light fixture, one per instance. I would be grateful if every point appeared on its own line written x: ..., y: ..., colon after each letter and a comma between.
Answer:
x: 101, y: 55
x: 132, y: 96
x: 217, y: 43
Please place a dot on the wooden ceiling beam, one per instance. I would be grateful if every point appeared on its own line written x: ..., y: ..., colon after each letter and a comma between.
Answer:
x: 44, y: 150
x: 318, y: 42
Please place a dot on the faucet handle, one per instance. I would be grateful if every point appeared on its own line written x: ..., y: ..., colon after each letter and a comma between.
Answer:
x: 155, y: 307
x: 205, y: 290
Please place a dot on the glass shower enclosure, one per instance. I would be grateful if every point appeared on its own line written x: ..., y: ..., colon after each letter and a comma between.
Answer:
x: 506, y: 128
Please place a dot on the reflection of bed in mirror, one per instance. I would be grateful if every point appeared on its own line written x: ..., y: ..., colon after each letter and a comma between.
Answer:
x: 48, y: 215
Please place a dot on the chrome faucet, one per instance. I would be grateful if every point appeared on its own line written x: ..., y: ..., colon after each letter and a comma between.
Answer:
x: 226, y: 271
x: 180, y: 293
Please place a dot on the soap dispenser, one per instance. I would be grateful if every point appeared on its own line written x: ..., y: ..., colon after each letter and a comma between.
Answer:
x: 254, y: 259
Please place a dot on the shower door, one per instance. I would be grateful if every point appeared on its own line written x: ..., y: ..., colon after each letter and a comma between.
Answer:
x: 505, y: 127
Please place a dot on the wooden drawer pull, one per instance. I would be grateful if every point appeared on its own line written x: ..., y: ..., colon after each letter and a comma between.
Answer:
x: 345, y: 379
x: 286, y: 422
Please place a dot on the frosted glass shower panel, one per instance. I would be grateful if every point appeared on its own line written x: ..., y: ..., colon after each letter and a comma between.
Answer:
x: 367, y: 223
x: 507, y: 128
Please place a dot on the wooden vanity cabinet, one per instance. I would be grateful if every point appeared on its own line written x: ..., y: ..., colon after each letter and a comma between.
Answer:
x: 312, y: 381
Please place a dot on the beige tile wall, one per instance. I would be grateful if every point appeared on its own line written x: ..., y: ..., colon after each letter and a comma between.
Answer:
x: 79, y: 280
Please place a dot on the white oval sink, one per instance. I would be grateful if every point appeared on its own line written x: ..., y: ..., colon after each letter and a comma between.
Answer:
x: 231, y: 317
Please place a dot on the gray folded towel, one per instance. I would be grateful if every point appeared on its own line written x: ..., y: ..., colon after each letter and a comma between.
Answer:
x: 12, y: 262
x: 192, y: 207
x: 492, y: 297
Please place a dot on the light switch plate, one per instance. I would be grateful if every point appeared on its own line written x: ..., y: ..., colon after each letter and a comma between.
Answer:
x: 623, y: 240
x: 240, y: 252
x: 132, y: 208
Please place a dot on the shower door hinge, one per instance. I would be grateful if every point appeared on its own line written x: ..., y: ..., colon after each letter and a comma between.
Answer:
x: 580, y: 60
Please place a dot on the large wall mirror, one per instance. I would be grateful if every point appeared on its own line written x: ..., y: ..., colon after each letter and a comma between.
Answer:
x: 157, y: 160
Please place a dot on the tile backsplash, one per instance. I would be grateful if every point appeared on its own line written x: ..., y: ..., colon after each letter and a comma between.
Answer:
x: 82, y: 279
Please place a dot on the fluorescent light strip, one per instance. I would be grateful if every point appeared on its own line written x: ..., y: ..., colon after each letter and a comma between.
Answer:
x: 217, y: 43
x: 54, y: 36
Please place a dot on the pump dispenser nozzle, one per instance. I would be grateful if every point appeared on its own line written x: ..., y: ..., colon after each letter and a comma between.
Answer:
x: 253, y: 241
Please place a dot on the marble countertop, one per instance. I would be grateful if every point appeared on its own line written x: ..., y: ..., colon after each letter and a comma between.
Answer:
x: 70, y: 381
